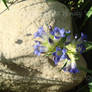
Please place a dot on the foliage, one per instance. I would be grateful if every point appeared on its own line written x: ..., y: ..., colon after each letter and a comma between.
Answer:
x: 90, y: 86
x: 80, y: 2
x: 89, y: 13
x: 5, y: 3
x: 89, y: 46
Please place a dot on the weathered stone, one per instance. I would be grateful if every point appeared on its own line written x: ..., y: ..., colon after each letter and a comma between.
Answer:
x: 20, y: 70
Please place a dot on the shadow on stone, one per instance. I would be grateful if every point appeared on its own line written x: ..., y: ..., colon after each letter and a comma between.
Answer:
x: 18, y: 69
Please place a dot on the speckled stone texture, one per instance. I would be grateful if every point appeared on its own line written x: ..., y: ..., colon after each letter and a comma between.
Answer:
x: 20, y: 69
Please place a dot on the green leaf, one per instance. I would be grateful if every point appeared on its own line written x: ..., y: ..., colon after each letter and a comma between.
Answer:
x: 89, y: 13
x: 90, y: 90
x: 88, y: 45
x: 90, y: 86
x: 5, y: 3
x: 47, y: 54
x: 64, y: 65
x: 80, y: 1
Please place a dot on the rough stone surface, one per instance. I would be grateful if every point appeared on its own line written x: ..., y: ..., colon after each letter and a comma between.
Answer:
x: 20, y: 70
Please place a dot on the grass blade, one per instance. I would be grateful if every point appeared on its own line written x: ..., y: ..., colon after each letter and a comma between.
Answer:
x: 5, y: 3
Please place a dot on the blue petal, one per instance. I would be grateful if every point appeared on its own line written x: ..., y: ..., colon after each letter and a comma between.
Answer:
x: 64, y: 56
x: 56, y: 56
x: 68, y: 32
x: 39, y: 33
x: 58, y: 49
x: 36, y: 52
x: 83, y: 37
x: 52, y: 32
x: 57, y: 37
x: 54, y: 53
x: 56, y: 32
x: 69, y: 38
x: 62, y: 32
x: 80, y: 48
x: 64, y: 50
x: 56, y: 59
x: 75, y: 70
x: 56, y: 29
x: 42, y: 49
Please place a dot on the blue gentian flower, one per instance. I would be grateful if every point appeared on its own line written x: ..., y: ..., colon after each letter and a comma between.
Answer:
x: 83, y: 36
x: 68, y: 40
x: 64, y: 55
x: 60, y: 55
x: 66, y: 48
x: 73, y: 68
x: 58, y: 33
x: 80, y: 48
x: 62, y: 32
x: 57, y: 55
x: 57, y: 59
x: 68, y: 32
x: 38, y: 49
x: 40, y: 33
